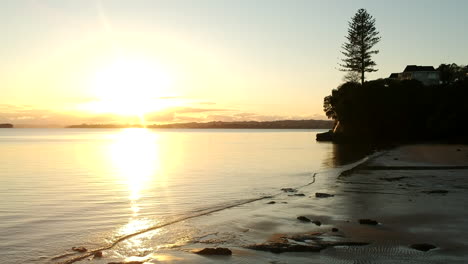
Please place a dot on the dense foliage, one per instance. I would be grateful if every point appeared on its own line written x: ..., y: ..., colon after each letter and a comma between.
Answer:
x: 400, y: 110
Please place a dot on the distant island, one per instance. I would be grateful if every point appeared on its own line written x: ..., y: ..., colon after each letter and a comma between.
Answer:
x: 280, y: 124
x: 6, y: 126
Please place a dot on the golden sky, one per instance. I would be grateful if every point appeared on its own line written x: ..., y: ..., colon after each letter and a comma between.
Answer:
x: 71, y: 62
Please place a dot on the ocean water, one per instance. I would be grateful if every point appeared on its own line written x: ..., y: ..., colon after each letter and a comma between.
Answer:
x: 61, y: 188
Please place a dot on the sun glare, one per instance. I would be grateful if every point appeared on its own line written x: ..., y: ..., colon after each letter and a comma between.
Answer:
x: 129, y: 87
x: 135, y: 158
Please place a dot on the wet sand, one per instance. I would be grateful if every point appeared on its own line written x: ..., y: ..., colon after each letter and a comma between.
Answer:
x: 407, y: 190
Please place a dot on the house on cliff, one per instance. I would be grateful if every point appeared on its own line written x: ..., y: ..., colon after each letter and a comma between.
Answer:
x: 425, y: 74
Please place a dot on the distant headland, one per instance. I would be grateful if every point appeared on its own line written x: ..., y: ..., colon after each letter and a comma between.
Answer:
x: 6, y: 126
x: 279, y: 124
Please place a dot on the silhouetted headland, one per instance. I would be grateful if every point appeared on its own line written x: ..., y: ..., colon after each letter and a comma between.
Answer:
x: 280, y: 124
x: 6, y: 126
x: 400, y: 110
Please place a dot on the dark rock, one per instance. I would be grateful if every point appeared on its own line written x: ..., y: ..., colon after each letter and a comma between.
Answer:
x: 98, y: 254
x: 6, y: 126
x: 316, y: 246
x: 289, y: 190
x: 368, y: 222
x: 79, y: 249
x: 127, y: 262
x: 436, y: 191
x: 395, y: 158
x: 317, y: 222
x: 391, y: 179
x: 215, y: 251
x: 423, y: 247
x: 297, y: 194
x: 326, y: 136
x: 271, y: 202
x: 323, y: 195
x: 285, y: 247
x: 458, y: 149
x: 345, y: 243
x: 303, y: 218
x: 334, y: 229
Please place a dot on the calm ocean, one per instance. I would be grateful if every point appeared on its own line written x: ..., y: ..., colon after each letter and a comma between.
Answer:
x: 61, y: 188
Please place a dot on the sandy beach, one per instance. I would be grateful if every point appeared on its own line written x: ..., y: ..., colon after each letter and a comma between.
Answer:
x: 416, y: 194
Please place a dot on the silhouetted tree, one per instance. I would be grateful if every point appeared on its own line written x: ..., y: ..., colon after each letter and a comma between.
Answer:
x: 361, y: 38
x: 452, y: 72
x: 352, y: 77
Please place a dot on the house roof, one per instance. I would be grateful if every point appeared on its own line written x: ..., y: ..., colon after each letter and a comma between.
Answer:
x: 415, y: 68
x: 393, y: 76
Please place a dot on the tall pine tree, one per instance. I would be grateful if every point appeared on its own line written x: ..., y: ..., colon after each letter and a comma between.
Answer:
x: 362, y: 36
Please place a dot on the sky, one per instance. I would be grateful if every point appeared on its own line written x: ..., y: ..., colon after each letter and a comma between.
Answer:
x: 111, y: 61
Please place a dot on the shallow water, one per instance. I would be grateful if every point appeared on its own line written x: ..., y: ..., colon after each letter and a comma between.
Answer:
x: 66, y: 187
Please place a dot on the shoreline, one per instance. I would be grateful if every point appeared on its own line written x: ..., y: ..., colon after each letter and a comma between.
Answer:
x: 411, y: 203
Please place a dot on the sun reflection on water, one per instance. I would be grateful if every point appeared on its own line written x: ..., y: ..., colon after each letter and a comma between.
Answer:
x: 135, y: 157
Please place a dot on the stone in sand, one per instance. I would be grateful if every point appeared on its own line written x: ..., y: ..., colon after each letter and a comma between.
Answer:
x: 391, y: 179
x: 289, y: 190
x: 367, y: 222
x: 323, y: 195
x: 79, y: 249
x: 303, y: 219
x: 127, y: 262
x: 436, y: 191
x: 423, y: 247
x: 271, y: 202
x: 285, y: 247
x: 215, y: 251
x: 297, y: 194
x: 98, y: 254
x: 317, y: 222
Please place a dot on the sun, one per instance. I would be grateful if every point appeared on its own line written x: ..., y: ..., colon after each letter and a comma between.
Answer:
x: 128, y: 87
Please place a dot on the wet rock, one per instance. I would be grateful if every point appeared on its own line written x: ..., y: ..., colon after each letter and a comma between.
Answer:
x: 312, y: 236
x: 97, y: 254
x: 307, y: 242
x: 272, y: 202
x: 344, y: 243
x: 392, y: 179
x: 215, y: 251
x: 127, y: 262
x: 368, y: 222
x: 323, y: 195
x: 423, y: 247
x: 289, y: 190
x: 285, y: 247
x: 303, y: 219
x: 79, y: 249
x: 436, y: 192
x: 317, y: 222
x: 334, y: 229
x: 325, y: 136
